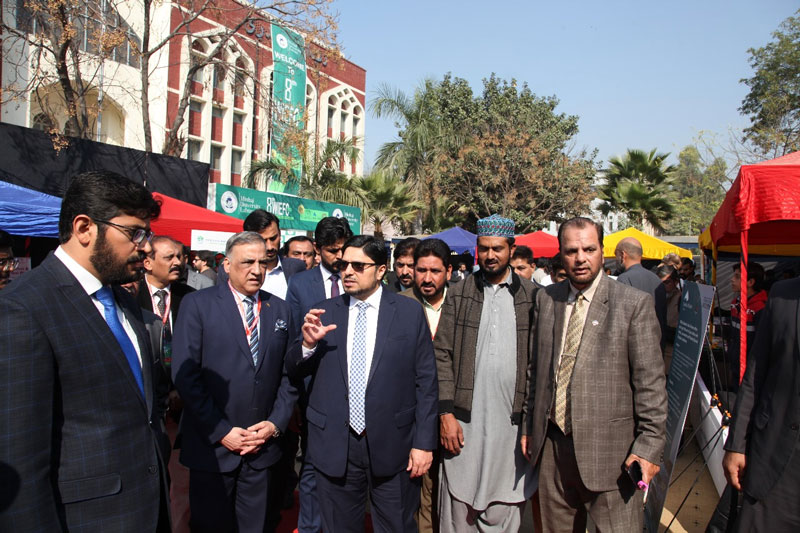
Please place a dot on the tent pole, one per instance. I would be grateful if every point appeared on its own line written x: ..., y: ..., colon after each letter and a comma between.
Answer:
x: 743, y: 306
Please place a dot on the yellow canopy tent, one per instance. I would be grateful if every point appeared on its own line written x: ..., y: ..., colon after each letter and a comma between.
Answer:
x: 652, y: 247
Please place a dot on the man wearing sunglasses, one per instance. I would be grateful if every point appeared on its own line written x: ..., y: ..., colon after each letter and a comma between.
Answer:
x: 372, y: 409
x: 7, y: 260
x: 82, y: 444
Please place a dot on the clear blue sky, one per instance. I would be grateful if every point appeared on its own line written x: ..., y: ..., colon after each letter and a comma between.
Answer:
x: 639, y: 74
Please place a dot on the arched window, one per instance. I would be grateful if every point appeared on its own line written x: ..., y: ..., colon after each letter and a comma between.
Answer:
x: 43, y: 122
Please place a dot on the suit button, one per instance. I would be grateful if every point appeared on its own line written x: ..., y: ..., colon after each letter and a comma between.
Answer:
x: 152, y: 469
x: 794, y: 427
x: 547, y: 412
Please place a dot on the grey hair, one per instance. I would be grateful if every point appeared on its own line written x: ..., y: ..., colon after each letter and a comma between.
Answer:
x: 243, y: 237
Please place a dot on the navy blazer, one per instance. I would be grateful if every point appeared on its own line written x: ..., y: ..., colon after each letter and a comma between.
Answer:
x: 212, y: 368
x: 80, y: 448
x: 402, y: 390
x: 306, y: 289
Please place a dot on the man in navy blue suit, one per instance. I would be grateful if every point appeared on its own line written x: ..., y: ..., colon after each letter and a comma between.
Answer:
x: 307, y: 289
x: 82, y: 446
x: 372, y: 407
x: 228, y: 366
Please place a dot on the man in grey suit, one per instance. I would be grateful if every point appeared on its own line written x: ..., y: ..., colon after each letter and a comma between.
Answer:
x: 763, y: 448
x: 598, y: 401
x: 629, y: 256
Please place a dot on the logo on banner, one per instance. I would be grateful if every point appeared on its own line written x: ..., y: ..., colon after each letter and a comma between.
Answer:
x: 337, y: 213
x: 229, y: 201
x: 282, y: 41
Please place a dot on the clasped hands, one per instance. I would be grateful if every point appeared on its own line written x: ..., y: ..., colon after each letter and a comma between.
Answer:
x: 250, y: 440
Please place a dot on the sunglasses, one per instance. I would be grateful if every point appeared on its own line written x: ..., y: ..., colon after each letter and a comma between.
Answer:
x: 358, y: 266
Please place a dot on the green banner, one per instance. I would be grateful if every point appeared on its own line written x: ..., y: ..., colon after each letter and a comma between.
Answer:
x: 289, y: 100
x: 293, y: 212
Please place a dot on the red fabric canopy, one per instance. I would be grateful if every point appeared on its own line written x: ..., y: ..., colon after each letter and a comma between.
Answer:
x: 178, y: 219
x: 761, y: 207
x: 543, y: 244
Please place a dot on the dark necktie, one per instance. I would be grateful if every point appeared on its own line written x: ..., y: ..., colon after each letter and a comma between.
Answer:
x: 252, y: 323
x: 166, y: 330
x: 106, y: 297
x: 334, y: 285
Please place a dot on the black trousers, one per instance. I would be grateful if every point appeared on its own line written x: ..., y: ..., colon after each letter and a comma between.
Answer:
x: 393, y: 499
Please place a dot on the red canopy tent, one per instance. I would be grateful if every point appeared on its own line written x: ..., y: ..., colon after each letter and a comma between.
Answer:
x: 178, y: 219
x: 543, y: 244
x: 761, y: 207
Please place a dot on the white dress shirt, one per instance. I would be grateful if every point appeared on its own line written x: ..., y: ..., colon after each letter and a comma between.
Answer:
x: 91, y: 285
x: 243, y: 310
x: 275, y: 281
x: 154, y: 301
x: 326, y: 280
x: 374, y: 301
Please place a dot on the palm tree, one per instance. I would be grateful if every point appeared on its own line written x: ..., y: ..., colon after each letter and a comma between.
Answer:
x: 389, y: 201
x: 638, y: 185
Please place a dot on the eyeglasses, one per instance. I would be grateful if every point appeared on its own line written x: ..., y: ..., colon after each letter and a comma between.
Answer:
x: 358, y: 266
x: 136, y: 235
x: 8, y: 263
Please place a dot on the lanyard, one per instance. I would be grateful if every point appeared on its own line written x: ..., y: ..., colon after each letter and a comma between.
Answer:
x: 248, y: 328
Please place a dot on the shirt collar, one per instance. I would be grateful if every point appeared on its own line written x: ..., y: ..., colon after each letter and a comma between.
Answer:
x: 87, y: 280
x: 278, y: 268
x: 588, y: 292
x: 240, y: 296
x: 153, y: 289
x: 373, y: 299
x: 326, y: 274
x: 429, y: 306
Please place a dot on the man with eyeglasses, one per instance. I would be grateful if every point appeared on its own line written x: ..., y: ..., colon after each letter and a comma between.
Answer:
x: 7, y: 260
x: 372, y: 408
x: 82, y: 445
x: 306, y: 289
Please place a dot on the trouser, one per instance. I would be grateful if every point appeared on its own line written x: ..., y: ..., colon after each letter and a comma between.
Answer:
x: 428, y: 516
x: 456, y: 516
x: 224, y: 502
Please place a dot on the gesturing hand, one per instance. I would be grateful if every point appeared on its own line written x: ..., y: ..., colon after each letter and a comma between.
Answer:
x: 313, y: 330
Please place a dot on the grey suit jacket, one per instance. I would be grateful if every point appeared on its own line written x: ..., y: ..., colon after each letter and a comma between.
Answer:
x: 766, y: 422
x: 619, y: 400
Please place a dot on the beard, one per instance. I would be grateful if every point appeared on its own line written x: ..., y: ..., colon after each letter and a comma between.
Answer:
x: 111, y: 270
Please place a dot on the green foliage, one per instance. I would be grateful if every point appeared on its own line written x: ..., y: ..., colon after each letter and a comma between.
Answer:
x: 502, y: 151
x: 773, y: 103
x: 638, y: 185
x: 389, y: 200
x: 697, y: 192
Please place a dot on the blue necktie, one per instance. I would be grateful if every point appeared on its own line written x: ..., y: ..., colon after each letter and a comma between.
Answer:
x: 250, y: 317
x: 358, y: 370
x: 106, y: 297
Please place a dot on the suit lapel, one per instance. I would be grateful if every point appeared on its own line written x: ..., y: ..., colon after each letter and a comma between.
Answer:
x: 233, y: 319
x: 318, y: 287
x: 595, y: 321
x: 84, y: 306
x: 341, y: 317
x: 385, y: 319
x: 559, y: 308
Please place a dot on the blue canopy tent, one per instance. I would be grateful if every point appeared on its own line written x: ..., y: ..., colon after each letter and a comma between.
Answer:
x: 27, y: 212
x: 459, y: 240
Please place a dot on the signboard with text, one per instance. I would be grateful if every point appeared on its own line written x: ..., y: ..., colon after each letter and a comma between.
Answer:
x: 292, y: 211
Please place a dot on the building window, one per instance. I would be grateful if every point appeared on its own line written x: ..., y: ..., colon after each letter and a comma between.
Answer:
x: 193, y: 149
x: 216, y: 157
x: 236, y: 161
x: 218, y: 79
x: 43, y: 122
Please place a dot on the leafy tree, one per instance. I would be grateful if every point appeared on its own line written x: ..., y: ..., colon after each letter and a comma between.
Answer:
x: 389, y: 201
x: 698, y: 190
x: 773, y: 103
x: 638, y: 185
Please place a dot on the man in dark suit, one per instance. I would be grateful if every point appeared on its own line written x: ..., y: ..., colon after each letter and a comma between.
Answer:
x: 306, y: 289
x: 228, y: 367
x: 372, y: 408
x: 629, y: 256
x: 762, y: 457
x: 402, y: 275
x: 81, y: 443
x: 598, y: 401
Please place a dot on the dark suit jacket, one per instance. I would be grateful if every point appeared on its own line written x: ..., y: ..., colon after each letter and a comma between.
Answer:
x: 212, y: 368
x: 640, y: 278
x: 306, y: 289
x: 766, y: 422
x: 79, y: 445
x: 392, y: 283
x: 619, y: 399
x: 177, y: 292
x: 290, y: 265
x: 401, y: 397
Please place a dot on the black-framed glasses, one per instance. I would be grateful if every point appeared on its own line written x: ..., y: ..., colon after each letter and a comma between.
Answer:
x: 136, y: 235
x: 358, y: 266
x: 8, y: 263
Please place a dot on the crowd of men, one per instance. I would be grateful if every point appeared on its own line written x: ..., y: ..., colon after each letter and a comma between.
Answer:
x: 143, y: 395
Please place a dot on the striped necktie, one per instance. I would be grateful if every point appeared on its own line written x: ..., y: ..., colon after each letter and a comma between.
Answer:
x: 252, y: 324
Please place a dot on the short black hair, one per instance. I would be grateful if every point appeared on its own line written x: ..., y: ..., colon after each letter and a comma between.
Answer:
x: 103, y: 195
x: 755, y: 272
x: 259, y: 220
x: 208, y: 257
x: 372, y: 247
x: 5, y: 239
x: 687, y: 261
x: 296, y: 238
x: 556, y: 263
x: 523, y: 252
x: 580, y: 222
x: 543, y: 263
x: 331, y: 229
x: 405, y: 247
x: 435, y: 247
